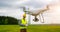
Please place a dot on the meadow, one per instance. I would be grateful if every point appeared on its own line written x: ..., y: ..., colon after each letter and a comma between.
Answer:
x: 30, y: 28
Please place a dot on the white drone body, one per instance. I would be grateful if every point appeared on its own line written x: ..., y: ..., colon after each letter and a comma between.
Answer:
x: 36, y: 13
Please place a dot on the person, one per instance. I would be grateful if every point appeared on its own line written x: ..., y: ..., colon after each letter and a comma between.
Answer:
x: 23, y: 22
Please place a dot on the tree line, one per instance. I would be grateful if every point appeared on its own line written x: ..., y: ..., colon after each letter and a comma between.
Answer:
x: 5, y: 20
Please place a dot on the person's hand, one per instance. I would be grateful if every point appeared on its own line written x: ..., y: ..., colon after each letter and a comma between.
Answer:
x: 26, y: 24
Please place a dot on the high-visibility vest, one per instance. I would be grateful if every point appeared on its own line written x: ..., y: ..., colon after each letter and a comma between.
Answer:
x: 24, y: 22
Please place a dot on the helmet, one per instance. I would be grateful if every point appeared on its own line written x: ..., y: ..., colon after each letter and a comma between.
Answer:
x: 24, y: 15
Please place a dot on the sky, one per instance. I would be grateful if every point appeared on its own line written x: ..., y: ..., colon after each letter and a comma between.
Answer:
x: 12, y: 8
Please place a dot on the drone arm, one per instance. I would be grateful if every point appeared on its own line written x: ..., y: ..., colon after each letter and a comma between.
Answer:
x: 41, y: 11
x: 47, y: 8
x: 44, y: 10
x: 29, y: 12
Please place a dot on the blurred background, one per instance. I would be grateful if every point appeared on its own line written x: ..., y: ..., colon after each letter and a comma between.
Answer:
x: 11, y: 13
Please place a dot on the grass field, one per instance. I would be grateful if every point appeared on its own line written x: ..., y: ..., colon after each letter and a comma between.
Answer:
x: 31, y: 28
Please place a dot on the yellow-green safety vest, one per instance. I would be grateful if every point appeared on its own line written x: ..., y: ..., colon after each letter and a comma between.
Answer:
x: 24, y: 21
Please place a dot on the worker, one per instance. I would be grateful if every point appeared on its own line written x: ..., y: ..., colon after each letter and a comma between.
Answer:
x: 23, y: 23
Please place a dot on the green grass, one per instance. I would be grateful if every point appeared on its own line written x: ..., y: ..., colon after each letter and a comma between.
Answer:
x: 9, y: 28
x: 31, y: 28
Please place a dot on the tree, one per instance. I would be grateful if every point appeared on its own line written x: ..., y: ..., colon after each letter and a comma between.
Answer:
x: 8, y: 20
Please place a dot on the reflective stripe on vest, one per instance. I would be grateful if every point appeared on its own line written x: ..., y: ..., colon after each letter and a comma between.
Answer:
x: 22, y: 27
x: 24, y: 21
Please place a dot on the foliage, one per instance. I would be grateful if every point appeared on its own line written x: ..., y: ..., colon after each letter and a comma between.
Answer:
x: 8, y: 20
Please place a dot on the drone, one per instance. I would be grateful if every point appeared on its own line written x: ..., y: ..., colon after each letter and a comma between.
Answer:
x: 37, y: 12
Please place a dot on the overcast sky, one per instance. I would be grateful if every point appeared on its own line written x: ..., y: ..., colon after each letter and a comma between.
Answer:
x: 12, y: 7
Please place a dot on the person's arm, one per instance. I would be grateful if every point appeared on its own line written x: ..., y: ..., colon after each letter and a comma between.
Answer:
x: 26, y: 23
x: 19, y: 22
